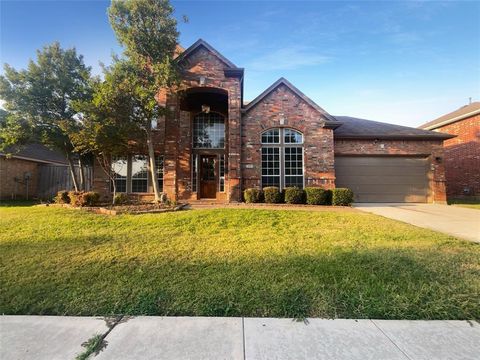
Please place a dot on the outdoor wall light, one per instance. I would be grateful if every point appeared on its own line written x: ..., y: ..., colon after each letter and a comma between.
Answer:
x: 202, y: 80
x: 205, y: 109
x: 438, y: 159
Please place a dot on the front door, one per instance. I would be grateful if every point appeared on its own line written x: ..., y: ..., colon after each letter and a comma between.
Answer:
x: 208, y: 177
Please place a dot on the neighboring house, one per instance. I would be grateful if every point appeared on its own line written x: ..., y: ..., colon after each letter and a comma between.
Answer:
x: 213, y: 145
x: 19, y: 172
x: 462, y: 153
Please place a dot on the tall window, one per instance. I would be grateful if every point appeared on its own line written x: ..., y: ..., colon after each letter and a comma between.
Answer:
x: 139, y: 174
x: 194, y: 172
x: 120, y: 171
x: 221, y: 170
x: 159, y: 170
x: 208, y: 131
x: 282, y: 158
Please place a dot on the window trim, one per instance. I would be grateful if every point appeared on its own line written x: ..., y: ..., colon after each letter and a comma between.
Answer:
x: 129, y: 178
x: 224, y: 132
x: 282, y: 145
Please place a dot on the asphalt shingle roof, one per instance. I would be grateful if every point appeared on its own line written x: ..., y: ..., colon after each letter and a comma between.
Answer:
x: 464, y: 110
x: 354, y: 128
x: 38, y: 152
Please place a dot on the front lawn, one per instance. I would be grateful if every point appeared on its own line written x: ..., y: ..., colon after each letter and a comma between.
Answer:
x: 466, y: 203
x: 233, y: 262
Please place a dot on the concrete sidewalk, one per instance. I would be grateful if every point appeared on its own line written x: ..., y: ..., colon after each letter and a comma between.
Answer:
x: 48, y: 337
x: 453, y: 220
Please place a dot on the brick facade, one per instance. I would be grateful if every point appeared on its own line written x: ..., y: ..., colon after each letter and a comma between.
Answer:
x: 210, y: 79
x: 283, y: 108
x: 432, y: 150
x: 462, y: 157
x: 13, y: 168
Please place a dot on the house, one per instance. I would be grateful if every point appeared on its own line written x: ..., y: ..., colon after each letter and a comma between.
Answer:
x: 462, y: 153
x: 20, y: 170
x: 213, y: 144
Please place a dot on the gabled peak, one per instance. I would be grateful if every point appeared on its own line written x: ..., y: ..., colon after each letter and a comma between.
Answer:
x: 202, y: 43
x: 292, y: 88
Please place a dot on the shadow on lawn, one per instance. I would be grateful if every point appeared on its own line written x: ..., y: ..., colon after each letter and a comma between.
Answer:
x: 18, y: 203
x: 366, y: 283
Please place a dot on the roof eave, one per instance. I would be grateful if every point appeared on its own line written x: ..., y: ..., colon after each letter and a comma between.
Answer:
x: 394, y: 137
x: 449, y: 121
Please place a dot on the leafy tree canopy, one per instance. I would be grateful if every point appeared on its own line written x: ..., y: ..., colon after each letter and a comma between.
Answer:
x: 38, y: 99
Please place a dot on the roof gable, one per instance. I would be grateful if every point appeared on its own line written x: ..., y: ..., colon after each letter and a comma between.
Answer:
x: 202, y: 43
x: 285, y: 82
x: 459, y: 114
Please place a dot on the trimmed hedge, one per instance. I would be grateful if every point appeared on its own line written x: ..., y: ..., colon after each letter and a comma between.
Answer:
x: 294, y: 195
x: 318, y: 196
x: 62, y: 197
x: 253, y: 195
x: 81, y: 198
x: 121, y: 199
x: 91, y: 198
x: 272, y: 195
x: 342, y: 197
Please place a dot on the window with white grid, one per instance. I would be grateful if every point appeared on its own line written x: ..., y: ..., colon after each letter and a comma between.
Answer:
x: 139, y: 174
x: 159, y: 170
x: 282, y: 163
x: 209, y: 131
x: 120, y: 171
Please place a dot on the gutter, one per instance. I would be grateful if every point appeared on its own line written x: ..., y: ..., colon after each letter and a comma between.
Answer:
x: 449, y: 121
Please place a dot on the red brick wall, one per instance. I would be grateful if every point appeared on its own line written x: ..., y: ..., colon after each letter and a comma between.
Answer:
x: 178, y: 133
x: 430, y: 149
x: 11, y: 168
x: 462, y: 157
x: 283, y: 108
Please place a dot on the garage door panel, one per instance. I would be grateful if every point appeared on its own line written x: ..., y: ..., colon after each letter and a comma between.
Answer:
x: 403, y: 180
x: 379, y: 171
x: 383, y: 179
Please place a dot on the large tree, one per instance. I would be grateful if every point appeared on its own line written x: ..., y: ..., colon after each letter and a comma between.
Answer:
x: 38, y: 100
x: 148, y: 32
x: 104, y: 134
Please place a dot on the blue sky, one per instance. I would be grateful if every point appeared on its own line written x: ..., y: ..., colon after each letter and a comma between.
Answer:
x: 399, y: 62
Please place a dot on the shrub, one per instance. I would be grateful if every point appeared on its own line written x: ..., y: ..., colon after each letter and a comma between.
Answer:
x: 91, y: 198
x: 294, y: 195
x: 342, y: 196
x: 253, y: 195
x: 318, y: 196
x: 62, y: 197
x: 75, y: 198
x: 272, y: 195
x: 120, y: 199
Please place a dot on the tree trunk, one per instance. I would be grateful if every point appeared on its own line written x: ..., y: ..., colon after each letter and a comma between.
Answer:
x: 153, y: 170
x: 81, y: 173
x: 106, y: 166
x: 72, y: 171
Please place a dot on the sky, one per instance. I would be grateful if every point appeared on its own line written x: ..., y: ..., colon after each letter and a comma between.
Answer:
x: 399, y: 62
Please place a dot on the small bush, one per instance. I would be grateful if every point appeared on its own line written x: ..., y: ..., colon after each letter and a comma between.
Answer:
x: 342, y: 196
x: 272, y: 195
x: 318, y: 196
x: 253, y: 195
x: 91, y: 198
x: 294, y: 195
x: 75, y: 198
x: 62, y: 197
x: 120, y: 199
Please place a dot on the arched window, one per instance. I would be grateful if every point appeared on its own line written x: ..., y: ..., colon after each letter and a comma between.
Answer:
x: 282, y: 158
x: 209, y: 131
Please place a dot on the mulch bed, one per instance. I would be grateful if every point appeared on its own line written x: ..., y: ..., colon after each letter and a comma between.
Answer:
x: 145, y: 208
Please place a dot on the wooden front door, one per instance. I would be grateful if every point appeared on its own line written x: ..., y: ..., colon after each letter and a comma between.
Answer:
x: 208, y: 177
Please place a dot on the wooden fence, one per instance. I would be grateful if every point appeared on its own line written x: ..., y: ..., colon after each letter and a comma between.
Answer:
x: 54, y: 178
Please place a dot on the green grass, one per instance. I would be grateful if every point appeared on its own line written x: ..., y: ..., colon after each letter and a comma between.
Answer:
x: 233, y: 262
x: 466, y: 203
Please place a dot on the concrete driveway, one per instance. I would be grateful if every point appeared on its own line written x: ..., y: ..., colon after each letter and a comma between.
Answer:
x: 457, y: 221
